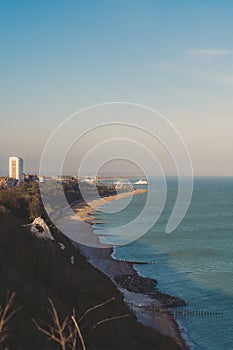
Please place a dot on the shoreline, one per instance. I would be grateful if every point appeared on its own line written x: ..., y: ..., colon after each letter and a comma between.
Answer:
x: 86, y: 211
x: 150, y: 309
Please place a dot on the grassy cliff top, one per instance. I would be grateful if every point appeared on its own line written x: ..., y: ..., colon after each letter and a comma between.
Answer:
x: 38, y: 269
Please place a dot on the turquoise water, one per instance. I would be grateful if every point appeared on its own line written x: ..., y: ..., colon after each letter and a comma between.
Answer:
x: 194, y: 262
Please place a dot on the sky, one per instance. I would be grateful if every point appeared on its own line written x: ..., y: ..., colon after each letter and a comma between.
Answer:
x: 59, y: 56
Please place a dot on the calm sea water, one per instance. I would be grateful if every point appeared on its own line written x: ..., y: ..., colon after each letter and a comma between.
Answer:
x: 194, y: 262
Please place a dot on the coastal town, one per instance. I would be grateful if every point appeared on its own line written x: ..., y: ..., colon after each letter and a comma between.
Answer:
x: 16, y: 176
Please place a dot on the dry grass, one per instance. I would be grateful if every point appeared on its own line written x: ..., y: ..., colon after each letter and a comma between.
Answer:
x: 67, y: 332
x: 61, y: 332
x: 6, y: 313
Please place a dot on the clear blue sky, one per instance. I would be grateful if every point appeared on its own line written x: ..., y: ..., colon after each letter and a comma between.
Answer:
x: 58, y: 56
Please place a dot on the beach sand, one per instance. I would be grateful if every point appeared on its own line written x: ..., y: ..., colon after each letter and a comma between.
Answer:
x: 162, y: 321
x: 86, y: 211
x: 101, y: 258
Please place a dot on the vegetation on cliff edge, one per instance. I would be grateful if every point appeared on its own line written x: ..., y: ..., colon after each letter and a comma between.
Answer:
x: 38, y: 269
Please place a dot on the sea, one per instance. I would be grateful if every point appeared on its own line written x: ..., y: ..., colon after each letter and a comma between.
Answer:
x: 194, y: 262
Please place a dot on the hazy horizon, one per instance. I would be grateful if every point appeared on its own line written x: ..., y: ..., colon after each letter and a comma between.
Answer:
x: 175, y: 57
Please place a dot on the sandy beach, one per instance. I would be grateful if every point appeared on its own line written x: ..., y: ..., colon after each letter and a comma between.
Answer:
x: 85, y: 211
x: 150, y: 310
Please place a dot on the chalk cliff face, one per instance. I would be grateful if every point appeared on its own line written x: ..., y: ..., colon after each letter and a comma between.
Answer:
x: 40, y: 229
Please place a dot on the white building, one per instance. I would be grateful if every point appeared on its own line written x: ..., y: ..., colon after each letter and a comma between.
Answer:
x: 16, y: 168
x: 91, y: 180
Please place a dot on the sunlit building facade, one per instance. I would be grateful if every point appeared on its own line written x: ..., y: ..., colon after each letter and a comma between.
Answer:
x: 16, y: 168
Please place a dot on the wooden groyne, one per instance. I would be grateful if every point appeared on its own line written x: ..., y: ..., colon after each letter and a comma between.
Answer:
x: 134, y: 262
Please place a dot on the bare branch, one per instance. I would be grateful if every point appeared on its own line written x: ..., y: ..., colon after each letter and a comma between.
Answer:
x: 94, y: 308
x: 60, y: 332
x: 109, y: 319
x: 50, y: 333
x: 79, y: 332
x: 5, y: 316
x: 65, y: 333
